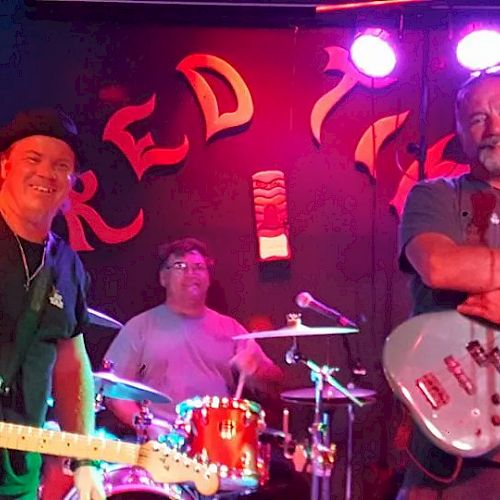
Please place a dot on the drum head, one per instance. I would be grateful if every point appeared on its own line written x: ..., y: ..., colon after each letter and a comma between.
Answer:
x: 133, y: 483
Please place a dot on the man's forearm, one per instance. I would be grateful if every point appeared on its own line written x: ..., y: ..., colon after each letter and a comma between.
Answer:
x: 468, y: 269
x: 442, y: 264
x: 74, y: 394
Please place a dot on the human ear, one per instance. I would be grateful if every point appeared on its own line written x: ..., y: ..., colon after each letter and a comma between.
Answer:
x: 5, y: 166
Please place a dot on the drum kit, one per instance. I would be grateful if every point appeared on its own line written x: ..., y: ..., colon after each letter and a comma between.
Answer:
x: 228, y: 431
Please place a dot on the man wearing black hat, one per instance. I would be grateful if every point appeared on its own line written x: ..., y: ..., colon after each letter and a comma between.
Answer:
x: 42, y: 298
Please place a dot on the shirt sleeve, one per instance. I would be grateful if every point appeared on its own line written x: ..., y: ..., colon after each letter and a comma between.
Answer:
x: 125, y: 352
x: 429, y: 208
x: 81, y: 309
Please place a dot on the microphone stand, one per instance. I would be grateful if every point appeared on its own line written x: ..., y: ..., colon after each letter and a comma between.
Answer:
x: 322, y: 451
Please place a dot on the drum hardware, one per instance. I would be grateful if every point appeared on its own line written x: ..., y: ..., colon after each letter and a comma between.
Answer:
x: 142, y: 421
x: 332, y: 398
x: 295, y: 328
x: 226, y: 431
x: 100, y: 319
x: 133, y: 482
x: 322, y: 454
x: 112, y: 386
x: 99, y: 404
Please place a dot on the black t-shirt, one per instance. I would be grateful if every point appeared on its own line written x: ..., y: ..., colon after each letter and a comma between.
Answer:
x: 64, y: 314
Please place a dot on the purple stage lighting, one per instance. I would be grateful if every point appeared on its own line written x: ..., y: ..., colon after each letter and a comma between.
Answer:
x: 372, y: 54
x: 480, y: 49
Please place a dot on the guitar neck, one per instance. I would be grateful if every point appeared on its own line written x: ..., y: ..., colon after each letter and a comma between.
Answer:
x: 65, y: 444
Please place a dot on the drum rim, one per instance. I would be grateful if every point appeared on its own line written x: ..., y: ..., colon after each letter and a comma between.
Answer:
x: 155, y: 488
x: 217, y: 402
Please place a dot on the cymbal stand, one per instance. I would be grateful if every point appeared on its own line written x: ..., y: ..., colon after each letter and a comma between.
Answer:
x: 142, y: 421
x: 322, y: 451
x: 99, y: 401
x: 99, y: 404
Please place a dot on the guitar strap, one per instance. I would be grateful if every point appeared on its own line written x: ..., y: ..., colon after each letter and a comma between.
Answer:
x: 27, y: 324
x: 481, y: 463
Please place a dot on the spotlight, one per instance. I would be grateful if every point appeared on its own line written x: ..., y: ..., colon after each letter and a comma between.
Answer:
x: 479, y: 49
x: 372, y: 54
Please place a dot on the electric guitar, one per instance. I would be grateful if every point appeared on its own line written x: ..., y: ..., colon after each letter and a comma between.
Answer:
x: 445, y: 368
x: 163, y: 463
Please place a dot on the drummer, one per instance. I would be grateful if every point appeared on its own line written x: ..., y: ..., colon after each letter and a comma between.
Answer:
x: 182, y: 347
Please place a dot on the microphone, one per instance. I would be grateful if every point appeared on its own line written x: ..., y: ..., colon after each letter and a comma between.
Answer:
x: 306, y: 301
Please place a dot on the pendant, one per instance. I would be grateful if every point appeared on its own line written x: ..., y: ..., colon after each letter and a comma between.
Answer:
x: 26, y: 286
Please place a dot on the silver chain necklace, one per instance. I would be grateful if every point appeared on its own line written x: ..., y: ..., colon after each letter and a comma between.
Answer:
x: 29, y: 278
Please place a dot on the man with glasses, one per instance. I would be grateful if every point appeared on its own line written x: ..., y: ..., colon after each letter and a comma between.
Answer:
x: 182, y: 347
x: 450, y: 244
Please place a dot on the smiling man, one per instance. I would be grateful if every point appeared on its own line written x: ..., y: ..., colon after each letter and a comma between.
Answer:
x: 39, y: 150
x: 182, y: 347
x: 449, y: 242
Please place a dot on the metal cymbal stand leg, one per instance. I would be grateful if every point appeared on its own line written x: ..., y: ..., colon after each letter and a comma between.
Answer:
x: 142, y: 422
x: 348, y: 465
x: 317, y: 437
x: 322, y: 452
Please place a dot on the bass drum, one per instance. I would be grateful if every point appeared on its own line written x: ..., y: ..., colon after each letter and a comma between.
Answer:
x: 133, y: 483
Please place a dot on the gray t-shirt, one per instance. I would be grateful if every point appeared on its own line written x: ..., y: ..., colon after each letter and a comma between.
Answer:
x: 179, y: 355
x: 465, y: 209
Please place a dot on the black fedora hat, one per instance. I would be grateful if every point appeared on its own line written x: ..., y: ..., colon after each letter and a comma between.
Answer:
x: 51, y: 122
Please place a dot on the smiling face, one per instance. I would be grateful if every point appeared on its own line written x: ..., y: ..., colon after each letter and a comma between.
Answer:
x: 186, y: 279
x: 478, y: 125
x: 37, y: 176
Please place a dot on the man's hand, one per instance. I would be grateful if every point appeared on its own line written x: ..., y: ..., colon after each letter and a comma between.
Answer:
x: 88, y: 482
x: 246, y: 361
x: 484, y: 305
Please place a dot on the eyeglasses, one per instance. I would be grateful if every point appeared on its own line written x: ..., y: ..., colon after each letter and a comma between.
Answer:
x: 198, y: 267
x: 475, y: 75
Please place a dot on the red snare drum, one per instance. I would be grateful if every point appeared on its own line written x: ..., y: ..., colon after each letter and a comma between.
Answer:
x: 226, y: 431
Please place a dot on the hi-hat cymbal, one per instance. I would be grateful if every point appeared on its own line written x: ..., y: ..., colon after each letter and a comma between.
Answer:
x: 330, y: 396
x: 100, y: 319
x: 299, y: 330
x: 111, y: 386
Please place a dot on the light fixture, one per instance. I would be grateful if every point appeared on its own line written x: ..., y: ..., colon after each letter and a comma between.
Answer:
x: 372, y: 53
x: 479, y: 48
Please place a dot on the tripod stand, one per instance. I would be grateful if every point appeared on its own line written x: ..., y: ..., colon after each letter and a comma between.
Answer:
x: 322, y: 450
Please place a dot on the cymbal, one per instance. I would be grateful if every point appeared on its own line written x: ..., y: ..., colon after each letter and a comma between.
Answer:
x: 100, y: 319
x: 299, y: 330
x: 112, y: 386
x: 330, y: 395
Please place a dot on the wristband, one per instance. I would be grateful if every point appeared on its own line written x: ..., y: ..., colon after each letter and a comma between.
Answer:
x: 74, y: 464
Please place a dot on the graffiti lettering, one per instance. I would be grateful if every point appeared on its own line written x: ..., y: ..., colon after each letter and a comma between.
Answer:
x: 214, y: 121
x: 338, y: 59
x: 143, y: 153
x: 80, y: 209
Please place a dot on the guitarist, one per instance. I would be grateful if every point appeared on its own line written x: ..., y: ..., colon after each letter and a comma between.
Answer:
x: 44, y: 350
x: 450, y: 242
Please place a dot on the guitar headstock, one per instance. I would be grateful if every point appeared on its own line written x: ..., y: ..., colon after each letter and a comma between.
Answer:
x: 167, y: 465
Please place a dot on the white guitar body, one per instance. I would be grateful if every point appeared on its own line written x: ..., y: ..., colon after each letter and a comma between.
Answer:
x: 446, y: 369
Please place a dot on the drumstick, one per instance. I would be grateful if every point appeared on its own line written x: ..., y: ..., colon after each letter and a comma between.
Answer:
x: 241, y: 383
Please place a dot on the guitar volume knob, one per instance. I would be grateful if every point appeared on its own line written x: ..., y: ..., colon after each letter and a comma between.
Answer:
x: 495, y: 398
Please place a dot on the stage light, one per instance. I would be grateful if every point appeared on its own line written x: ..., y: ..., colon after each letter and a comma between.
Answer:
x: 479, y: 49
x: 372, y: 54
